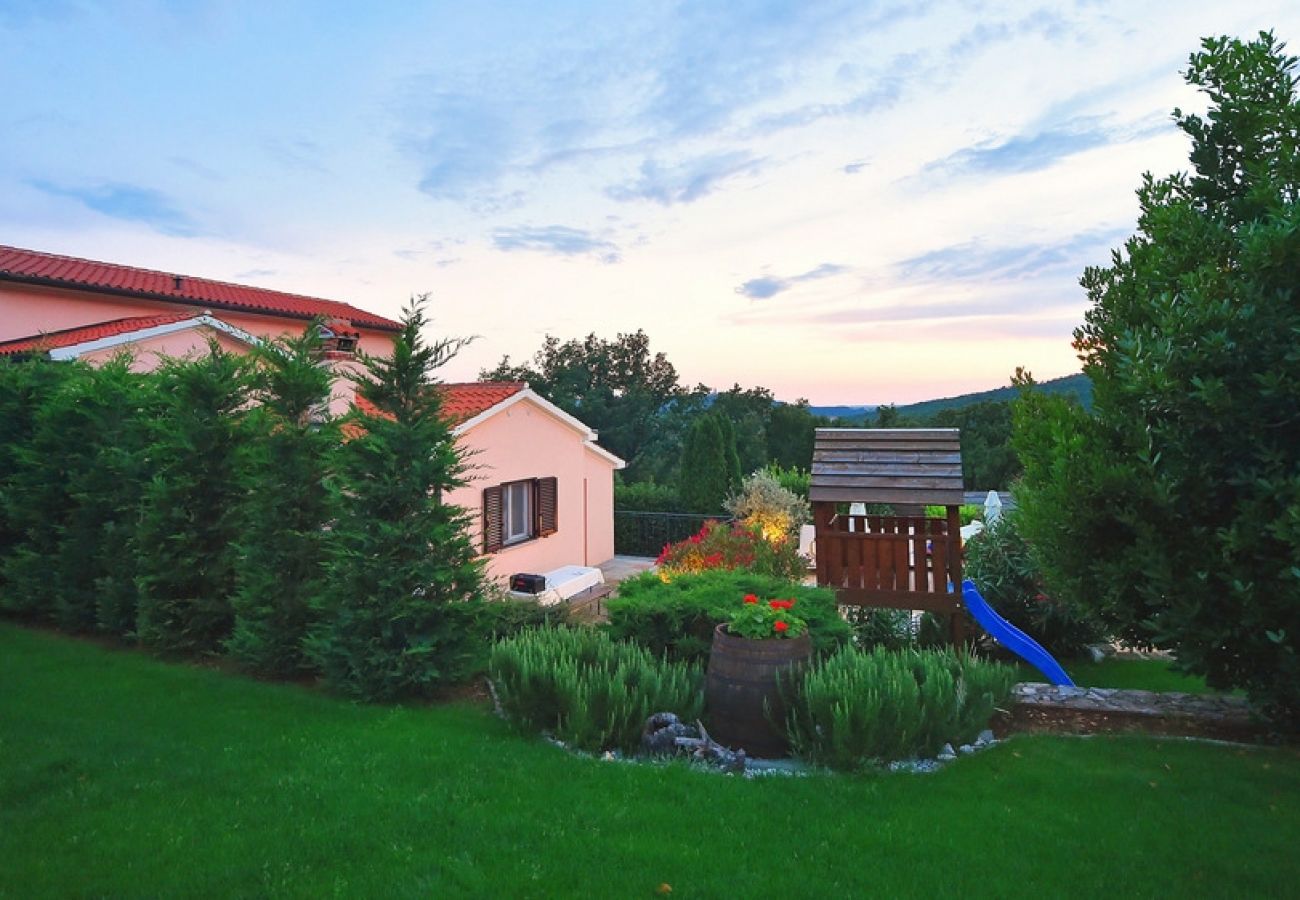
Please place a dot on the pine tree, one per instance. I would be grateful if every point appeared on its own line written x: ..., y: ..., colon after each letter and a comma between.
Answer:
x: 730, y: 453
x: 396, y: 616
x: 185, y: 543
x: 286, y: 505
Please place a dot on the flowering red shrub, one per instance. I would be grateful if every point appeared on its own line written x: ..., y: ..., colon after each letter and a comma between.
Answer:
x: 719, y: 545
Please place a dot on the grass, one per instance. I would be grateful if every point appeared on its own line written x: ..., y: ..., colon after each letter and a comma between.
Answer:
x: 1131, y: 674
x: 124, y: 776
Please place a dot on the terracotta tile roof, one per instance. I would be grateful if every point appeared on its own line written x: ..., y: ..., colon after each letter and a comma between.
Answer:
x: 70, y: 336
x: 34, y: 267
x: 462, y: 402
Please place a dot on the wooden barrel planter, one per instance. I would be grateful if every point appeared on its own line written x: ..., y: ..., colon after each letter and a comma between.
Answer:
x: 741, y: 685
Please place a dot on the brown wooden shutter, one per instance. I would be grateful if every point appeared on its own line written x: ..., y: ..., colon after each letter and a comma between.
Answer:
x: 548, y: 506
x: 493, y: 524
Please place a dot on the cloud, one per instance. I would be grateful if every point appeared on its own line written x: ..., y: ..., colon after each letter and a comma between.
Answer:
x: 687, y: 181
x: 463, y: 143
x: 256, y: 273
x: 856, y: 166
x: 1025, y: 152
x: 557, y: 240
x: 767, y: 286
x: 880, y: 96
x: 128, y: 202
x: 978, y: 260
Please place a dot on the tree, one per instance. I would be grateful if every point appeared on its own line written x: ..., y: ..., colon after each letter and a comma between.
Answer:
x: 617, y: 387
x: 988, y: 461
x: 395, y: 614
x: 287, y: 506
x: 749, y: 411
x: 1191, y: 347
x: 190, y: 520
x: 790, y: 431
x: 25, y: 387
x: 704, y: 479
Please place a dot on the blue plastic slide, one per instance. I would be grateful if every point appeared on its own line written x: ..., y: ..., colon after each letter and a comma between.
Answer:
x: 1013, y: 638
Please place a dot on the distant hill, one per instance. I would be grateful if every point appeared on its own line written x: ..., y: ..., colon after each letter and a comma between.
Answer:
x: 841, y: 412
x: 1076, y: 385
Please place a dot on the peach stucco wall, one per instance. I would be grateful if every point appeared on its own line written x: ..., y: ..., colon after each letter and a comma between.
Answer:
x: 147, y: 353
x: 525, y: 441
x: 600, y: 507
x: 26, y: 310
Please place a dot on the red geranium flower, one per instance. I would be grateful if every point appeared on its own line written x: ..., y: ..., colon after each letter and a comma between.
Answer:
x: 781, y: 627
x: 750, y: 598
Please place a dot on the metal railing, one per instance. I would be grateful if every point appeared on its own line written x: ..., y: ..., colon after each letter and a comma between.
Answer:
x: 638, y: 533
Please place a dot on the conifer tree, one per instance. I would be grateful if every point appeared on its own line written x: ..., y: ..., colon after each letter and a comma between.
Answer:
x: 286, y: 504
x: 35, y: 496
x: 396, y: 616
x: 185, y: 543
x: 704, y: 478
x: 100, y: 420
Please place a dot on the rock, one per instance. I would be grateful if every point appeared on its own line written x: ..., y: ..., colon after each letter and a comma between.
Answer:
x: 966, y: 749
x: 659, y: 737
x: 946, y: 753
x: 985, y: 738
x: 1098, y: 652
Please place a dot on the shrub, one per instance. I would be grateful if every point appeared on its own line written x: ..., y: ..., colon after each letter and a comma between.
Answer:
x: 999, y: 561
x: 968, y: 512
x: 763, y: 504
x: 646, y: 496
x: 891, y: 628
x: 677, y: 618
x: 190, y: 517
x: 719, y: 545
x: 393, y: 616
x: 588, y: 690
x: 794, y: 479
x: 860, y: 708
x: 286, y: 506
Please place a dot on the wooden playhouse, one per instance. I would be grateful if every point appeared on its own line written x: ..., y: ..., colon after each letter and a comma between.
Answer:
x: 903, y: 560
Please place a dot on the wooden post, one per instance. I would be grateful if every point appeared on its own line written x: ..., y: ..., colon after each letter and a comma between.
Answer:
x: 955, y: 574
x: 822, y: 514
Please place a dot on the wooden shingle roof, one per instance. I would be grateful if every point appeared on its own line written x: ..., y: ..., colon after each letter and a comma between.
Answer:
x: 887, y: 465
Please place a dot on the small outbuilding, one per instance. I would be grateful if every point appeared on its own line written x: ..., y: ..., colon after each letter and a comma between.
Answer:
x: 875, y: 545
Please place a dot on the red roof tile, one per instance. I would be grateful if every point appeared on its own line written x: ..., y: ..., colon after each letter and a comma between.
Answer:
x: 70, y: 336
x: 462, y: 402
x: 65, y: 271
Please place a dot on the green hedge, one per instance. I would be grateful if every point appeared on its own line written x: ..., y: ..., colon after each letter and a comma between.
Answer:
x: 677, y: 618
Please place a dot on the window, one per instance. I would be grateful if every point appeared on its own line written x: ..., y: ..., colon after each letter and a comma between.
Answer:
x: 518, y: 514
x: 519, y: 511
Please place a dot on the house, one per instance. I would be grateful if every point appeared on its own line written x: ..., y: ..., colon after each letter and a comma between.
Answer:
x: 542, y: 486
x: 542, y: 491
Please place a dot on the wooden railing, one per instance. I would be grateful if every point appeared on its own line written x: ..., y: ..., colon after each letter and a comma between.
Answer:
x: 899, y: 562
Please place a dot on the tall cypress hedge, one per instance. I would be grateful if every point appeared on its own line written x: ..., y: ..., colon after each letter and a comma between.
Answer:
x: 191, y: 515
x: 287, y: 506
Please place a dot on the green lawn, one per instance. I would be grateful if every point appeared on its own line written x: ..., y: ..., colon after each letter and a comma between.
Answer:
x: 1138, y: 674
x: 124, y: 776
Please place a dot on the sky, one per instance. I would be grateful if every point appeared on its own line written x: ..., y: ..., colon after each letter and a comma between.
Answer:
x: 854, y: 203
